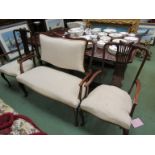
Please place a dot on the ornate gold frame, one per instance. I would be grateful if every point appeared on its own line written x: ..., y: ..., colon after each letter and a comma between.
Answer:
x: 133, y: 23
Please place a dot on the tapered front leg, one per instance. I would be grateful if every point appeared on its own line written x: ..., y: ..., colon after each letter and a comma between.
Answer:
x: 23, y: 89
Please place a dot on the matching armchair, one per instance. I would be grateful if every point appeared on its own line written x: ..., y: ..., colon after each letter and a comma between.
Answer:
x: 53, y: 82
x: 13, y: 68
x: 111, y: 103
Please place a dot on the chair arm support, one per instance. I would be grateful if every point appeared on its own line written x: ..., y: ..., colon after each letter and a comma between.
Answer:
x: 24, y: 58
x: 135, y: 99
x: 88, y: 75
x: 93, y: 77
x: 138, y: 89
x: 4, y: 54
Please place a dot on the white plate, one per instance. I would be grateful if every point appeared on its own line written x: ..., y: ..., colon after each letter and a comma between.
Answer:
x: 132, y: 34
x: 95, y: 31
x: 131, y: 39
x: 101, y: 34
x: 112, y: 49
x: 115, y: 35
x: 105, y: 38
x: 118, y: 40
x: 110, y: 30
x: 124, y: 33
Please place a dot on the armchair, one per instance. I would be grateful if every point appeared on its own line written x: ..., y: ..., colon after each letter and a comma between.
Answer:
x: 111, y: 103
x: 53, y: 82
x: 13, y: 68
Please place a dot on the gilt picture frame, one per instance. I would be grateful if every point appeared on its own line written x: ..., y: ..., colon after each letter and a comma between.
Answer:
x: 7, y: 40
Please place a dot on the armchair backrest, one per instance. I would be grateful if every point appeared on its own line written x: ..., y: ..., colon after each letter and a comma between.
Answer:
x: 23, y: 41
x: 124, y: 51
x: 125, y: 54
x: 63, y: 53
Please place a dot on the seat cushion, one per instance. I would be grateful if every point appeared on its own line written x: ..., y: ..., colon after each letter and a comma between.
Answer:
x: 52, y: 83
x: 109, y: 103
x: 13, y: 69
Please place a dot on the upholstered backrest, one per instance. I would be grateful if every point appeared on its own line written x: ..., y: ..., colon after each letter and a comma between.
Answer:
x: 64, y: 53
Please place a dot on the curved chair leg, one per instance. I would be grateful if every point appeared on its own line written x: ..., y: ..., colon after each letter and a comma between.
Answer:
x: 24, y: 90
x: 76, y: 112
x: 3, y: 76
x: 82, y: 118
x: 125, y: 132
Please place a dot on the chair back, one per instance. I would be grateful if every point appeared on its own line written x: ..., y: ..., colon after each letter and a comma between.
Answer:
x: 124, y: 51
x: 63, y: 53
x: 23, y: 41
x: 125, y: 54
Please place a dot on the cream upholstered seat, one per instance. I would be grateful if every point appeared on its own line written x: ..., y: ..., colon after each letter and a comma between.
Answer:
x: 109, y: 103
x: 13, y: 68
x: 52, y: 83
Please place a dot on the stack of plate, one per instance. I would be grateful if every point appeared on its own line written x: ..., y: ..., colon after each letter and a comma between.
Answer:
x: 100, y: 44
x: 112, y: 49
x: 115, y: 35
x: 105, y: 38
x: 131, y: 39
x: 131, y: 34
x: 75, y: 32
x: 118, y: 40
x: 124, y: 33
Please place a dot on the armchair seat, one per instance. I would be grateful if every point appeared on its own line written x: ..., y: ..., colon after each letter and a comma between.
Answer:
x: 53, y: 83
x: 109, y: 103
x: 13, y: 68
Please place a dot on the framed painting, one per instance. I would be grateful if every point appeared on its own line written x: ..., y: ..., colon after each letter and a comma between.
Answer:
x: 7, y: 41
x: 54, y: 23
x: 147, y: 33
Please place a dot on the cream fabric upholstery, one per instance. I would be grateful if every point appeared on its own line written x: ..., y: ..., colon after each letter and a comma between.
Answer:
x: 64, y: 53
x: 13, y: 68
x: 109, y: 103
x: 52, y: 83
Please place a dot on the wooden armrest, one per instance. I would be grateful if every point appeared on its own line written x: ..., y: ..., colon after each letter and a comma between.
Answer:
x: 24, y: 58
x: 86, y: 77
x: 138, y: 89
x: 135, y: 99
x: 4, y: 54
x: 93, y: 77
